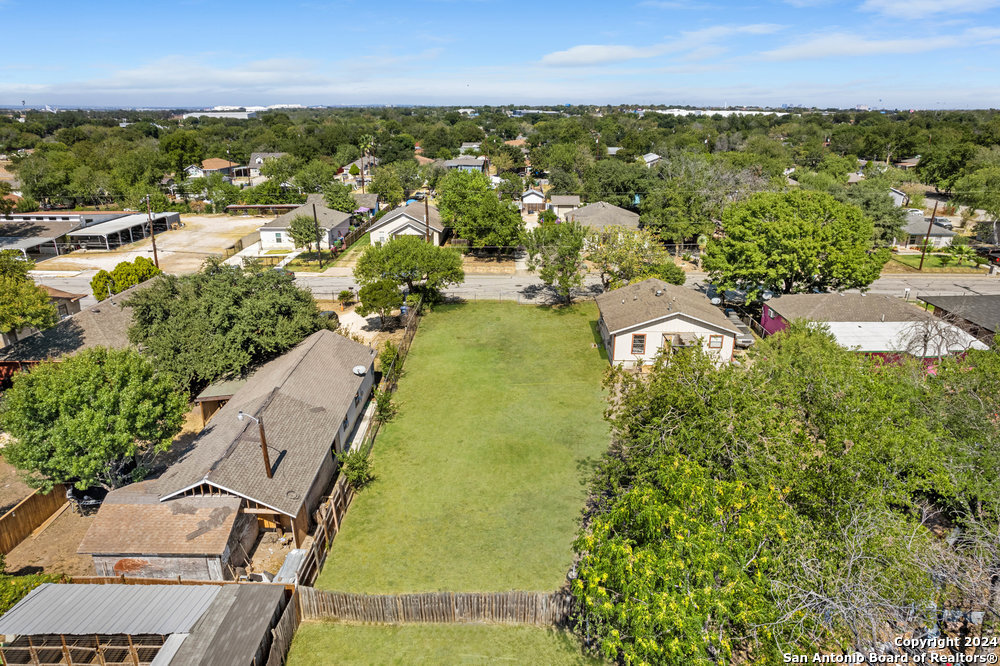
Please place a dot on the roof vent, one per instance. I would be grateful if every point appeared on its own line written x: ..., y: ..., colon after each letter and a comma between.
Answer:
x: 659, y: 292
x: 360, y: 370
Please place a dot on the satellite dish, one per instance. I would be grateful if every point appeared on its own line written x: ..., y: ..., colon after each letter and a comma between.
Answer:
x: 767, y: 295
x: 360, y: 370
x: 715, y: 300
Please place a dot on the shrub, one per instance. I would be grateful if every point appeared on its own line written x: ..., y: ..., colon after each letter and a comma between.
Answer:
x: 346, y: 296
x: 385, y: 408
x: 356, y: 467
x: 388, y: 356
x: 15, y: 588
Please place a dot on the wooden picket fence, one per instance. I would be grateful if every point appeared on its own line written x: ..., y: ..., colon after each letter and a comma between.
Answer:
x: 533, y: 608
x: 283, y: 632
x: 28, y: 514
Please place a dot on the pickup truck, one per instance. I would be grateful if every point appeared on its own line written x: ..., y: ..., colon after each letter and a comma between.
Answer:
x: 745, y: 336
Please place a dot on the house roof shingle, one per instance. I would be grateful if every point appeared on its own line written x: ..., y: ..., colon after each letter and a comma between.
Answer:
x: 327, y: 217
x: 367, y: 200
x: 639, y: 303
x: 602, y: 214
x: 565, y: 200
x: 983, y: 311
x: 302, y: 397
x: 846, y: 307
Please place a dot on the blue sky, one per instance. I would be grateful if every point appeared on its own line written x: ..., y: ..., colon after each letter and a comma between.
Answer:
x: 882, y: 53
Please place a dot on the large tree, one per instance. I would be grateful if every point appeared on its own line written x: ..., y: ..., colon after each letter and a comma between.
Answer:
x: 793, y: 242
x: 411, y: 261
x: 387, y: 184
x: 123, y: 276
x: 220, y: 322
x: 980, y: 189
x: 95, y: 418
x: 23, y: 304
x: 379, y: 297
x: 338, y: 197
x: 554, y: 251
x: 623, y: 255
x: 304, y: 233
x: 470, y: 206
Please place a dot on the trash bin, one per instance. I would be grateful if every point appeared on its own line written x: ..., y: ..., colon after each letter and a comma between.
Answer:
x: 402, y: 310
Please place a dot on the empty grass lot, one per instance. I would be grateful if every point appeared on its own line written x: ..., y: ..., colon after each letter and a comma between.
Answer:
x: 481, y: 476
x: 317, y: 644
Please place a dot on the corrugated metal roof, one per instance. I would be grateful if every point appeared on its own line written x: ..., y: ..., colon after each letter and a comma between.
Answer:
x: 54, y: 608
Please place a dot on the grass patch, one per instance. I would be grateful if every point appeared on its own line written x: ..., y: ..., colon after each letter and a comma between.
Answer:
x: 307, y: 262
x: 480, y: 479
x: 278, y: 252
x: 319, y: 643
x: 355, y: 249
x: 932, y: 263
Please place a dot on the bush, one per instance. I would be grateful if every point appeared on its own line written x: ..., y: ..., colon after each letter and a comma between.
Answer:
x: 346, y: 296
x: 388, y: 356
x: 15, y: 588
x: 356, y: 467
x: 385, y: 408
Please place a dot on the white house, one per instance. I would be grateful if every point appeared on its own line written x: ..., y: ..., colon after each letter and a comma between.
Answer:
x: 651, y: 160
x: 415, y: 219
x: 257, y: 161
x: 916, y: 229
x: 469, y: 147
x: 641, y: 319
x: 899, y: 197
x: 467, y: 164
x: 333, y: 225
x: 561, y: 204
x: 532, y: 201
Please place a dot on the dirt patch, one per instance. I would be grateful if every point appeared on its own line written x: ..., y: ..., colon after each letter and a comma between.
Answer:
x: 269, y: 553
x: 479, y: 265
x: 54, y: 549
x: 12, y: 489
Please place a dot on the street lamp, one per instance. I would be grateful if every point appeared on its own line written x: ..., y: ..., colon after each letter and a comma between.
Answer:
x: 263, y: 440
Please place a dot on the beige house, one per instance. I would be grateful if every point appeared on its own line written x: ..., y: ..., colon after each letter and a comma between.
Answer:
x: 640, y: 320
x: 563, y: 204
x: 415, y: 219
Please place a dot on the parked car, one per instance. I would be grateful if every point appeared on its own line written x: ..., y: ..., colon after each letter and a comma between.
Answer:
x: 942, y: 222
x: 745, y: 336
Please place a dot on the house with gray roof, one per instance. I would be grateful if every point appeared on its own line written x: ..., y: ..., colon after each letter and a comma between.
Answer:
x: 563, y: 204
x: 917, y: 228
x: 263, y: 461
x: 415, y: 219
x: 480, y: 164
x: 640, y: 320
x: 602, y: 214
x: 257, y: 161
x: 333, y: 225
x: 977, y: 315
x: 166, y: 625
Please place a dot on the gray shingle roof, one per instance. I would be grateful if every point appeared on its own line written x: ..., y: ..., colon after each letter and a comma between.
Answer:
x: 108, y: 609
x: 327, y: 217
x: 983, y: 311
x: 565, y: 200
x: 103, y: 324
x: 465, y: 161
x: 602, y: 214
x: 414, y: 210
x: 302, y: 397
x: 257, y: 159
x: 638, y: 303
x: 918, y: 227
x: 366, y: 200
x: 846, y: 307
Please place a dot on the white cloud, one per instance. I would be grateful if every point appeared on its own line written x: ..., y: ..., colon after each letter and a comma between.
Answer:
x: 842, y: 44
x: 915, y: 9
x: 702, y: 41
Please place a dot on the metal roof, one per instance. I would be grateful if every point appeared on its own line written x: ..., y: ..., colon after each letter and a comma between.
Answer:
x: 119, y: 224
x: 54, y: 608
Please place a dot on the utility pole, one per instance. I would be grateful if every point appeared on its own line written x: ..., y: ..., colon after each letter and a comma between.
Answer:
x: 427, y: 219
x: 927, y: 238
x: 152, y: 232
x: 319, y: 248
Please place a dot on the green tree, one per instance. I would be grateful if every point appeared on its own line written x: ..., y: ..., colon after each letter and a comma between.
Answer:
x: 793, y: 242
x: 23, y: 304
x: 388, y: 186
x: 624, y: 255
x: 470, y: 206
x: 615, y: 182
x: 554, y: 251
x: 380, y: 297
x: 14, y: 265
x: 411, y: 261
x: 314, y: 176
x: 95, y: 418
x: 220, y: 322
x: 980, y: 189
x: 280, y: 169
x: 338, y: 197
x: 302, y: 231
x: 123, y: 276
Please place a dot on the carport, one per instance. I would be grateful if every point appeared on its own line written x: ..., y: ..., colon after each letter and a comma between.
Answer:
x: 122, y: 231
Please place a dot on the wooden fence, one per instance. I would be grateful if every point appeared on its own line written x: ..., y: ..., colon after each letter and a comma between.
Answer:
x: 241, y: 244
x: 331, y: 513
x: 536, y: 608
x: 282, y: 633
x: 29, y: 513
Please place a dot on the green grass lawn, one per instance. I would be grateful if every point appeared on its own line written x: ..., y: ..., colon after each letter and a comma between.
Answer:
x: 481, y: 476
x: 931, y: 262
x: 307, y: 262
x: 321, y: 643
x: 355, y: 249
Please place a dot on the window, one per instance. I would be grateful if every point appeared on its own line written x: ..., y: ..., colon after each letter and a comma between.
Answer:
x: 345, y: 423
x: 639, y: 343
x: 277, y: 237
x: 772, y: 314
x: 715, y: 342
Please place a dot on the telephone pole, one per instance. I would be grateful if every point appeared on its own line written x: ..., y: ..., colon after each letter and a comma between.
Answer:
x: 427, y: 219
x: 927, y: 238
x: 319, y: 248
x: 152, y: 232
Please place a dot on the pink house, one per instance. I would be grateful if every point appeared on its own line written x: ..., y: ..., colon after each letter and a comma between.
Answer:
x: 871, y: 324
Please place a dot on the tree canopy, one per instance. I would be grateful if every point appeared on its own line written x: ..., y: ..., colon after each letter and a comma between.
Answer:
x: 793, y: 242
x: 411, y: 261
x: 470, y: 206
x: 338, y: 197
x: 381, y: 297
x: 95, y: 418
x: 123, y: 276
x: 23, y: 304
x: 220, y: 322
x: 554, y: 251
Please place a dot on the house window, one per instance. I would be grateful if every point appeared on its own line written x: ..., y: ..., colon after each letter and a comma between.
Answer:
x: 277, y: 237
x: 639, y: 343
x: 345, y: 423
x: 772, y: 314
x: 715, y: 342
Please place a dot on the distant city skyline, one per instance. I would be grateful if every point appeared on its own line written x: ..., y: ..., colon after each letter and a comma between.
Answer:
x: 923, y: 54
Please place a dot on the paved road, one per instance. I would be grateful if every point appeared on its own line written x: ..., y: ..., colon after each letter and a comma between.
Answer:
x: 528, y: 288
